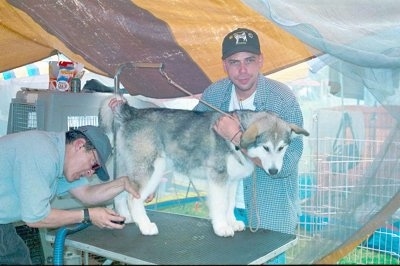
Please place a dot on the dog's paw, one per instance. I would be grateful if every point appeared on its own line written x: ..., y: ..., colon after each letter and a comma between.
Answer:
x: 224, y: 231
x: 149, y: 229
x: 238, y: 226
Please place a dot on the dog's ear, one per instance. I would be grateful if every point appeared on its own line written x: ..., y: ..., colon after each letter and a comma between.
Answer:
x: 249, y: 136
x: 298, y: 130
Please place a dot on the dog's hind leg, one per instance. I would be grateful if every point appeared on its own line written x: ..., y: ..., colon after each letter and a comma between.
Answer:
x: 136, y: 206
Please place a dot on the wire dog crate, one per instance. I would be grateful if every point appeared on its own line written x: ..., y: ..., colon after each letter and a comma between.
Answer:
x: 357, y: 183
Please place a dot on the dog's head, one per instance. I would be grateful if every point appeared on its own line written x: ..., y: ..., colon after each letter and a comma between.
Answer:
x: 268, y: 138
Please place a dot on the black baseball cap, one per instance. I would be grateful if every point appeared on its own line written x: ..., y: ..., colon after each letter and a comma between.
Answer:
x: 102, y: 145
x: 240, y: 40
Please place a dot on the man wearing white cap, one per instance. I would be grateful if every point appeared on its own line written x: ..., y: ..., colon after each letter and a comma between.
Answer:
x: 36, y: 166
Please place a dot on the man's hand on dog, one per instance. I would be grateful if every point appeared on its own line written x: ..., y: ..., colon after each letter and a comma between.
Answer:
x: 133, y: 188
x: 130, y: 187
x: 115, y: 102
x: 228, y: 127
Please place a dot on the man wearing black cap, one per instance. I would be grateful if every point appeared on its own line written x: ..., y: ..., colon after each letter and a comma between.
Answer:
x: 272, y: 201
x: 35, y: 166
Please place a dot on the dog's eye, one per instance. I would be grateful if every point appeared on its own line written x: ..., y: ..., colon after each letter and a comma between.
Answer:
x: 281, y: 147
x: 266, y: 148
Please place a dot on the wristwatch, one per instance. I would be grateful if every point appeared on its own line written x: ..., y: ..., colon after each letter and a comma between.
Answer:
x: 86, y: 216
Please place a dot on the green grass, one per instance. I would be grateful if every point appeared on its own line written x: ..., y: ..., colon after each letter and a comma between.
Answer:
x: 365, y: 256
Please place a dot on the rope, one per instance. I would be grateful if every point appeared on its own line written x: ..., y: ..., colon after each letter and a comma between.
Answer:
x: 253, y: 206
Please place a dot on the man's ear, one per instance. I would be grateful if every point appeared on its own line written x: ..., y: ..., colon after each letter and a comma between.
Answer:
x: 261, y: 60
x: 224, y: 66
x: 79, y: 143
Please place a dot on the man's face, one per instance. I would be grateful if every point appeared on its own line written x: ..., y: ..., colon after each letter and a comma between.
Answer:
x: 243, y: 69
x: 80, y: 162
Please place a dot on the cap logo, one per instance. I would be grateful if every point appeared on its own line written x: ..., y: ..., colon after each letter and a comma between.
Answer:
x: 241, y: 38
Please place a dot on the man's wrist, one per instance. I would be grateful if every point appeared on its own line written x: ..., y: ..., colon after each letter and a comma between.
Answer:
x: 86, y: 216
x: 236, y: 138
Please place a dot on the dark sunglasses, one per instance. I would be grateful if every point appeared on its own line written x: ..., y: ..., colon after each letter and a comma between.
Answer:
x: 96, y: 165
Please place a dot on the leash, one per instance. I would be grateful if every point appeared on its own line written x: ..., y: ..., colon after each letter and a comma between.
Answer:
x: 173, y: 83
x: 253, y: 206
x: 160, y: 67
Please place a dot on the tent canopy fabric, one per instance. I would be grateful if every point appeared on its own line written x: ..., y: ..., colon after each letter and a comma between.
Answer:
x: 185, y: 36
x: 359, y: 39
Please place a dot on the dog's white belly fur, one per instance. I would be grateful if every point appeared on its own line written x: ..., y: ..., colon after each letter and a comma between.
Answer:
x: 220, y: 198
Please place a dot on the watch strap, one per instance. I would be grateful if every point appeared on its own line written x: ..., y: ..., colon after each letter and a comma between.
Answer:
x: 86, y: 216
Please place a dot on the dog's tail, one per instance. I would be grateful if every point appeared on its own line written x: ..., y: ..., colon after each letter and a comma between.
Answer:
x: 110, y: 117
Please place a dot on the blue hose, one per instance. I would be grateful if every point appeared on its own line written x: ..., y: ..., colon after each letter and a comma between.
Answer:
x: 62, y: 232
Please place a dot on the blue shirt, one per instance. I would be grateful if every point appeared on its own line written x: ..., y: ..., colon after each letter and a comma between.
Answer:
x: 271, y: 203
x: 31, y: 175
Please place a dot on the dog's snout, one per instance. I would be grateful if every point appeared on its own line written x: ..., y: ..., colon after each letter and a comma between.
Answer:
x: 272, y: 171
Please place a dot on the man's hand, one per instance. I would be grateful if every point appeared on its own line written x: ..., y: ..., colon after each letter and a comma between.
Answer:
x: 133, y: 188
x: 106, y: 218
x: 130, y: 186
x: 150, y: 198
x: 228, y: 127
x: 115, y: 102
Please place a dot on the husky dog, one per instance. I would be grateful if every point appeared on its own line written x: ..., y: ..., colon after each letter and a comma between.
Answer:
x: 147, y: 140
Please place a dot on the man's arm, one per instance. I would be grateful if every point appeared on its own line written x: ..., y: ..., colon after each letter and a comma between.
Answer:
x: 91, y: 195
x: 100, y: 193
x: 99, y: 216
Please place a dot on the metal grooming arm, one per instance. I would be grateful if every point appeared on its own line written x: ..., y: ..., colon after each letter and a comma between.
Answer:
x: 117, y: 92
x: 133, y: 65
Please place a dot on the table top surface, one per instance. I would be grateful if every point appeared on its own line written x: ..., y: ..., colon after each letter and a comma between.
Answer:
x: 181, y: 240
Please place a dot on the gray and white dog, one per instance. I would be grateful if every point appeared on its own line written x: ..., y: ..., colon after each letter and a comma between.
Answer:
x: 147, y: 140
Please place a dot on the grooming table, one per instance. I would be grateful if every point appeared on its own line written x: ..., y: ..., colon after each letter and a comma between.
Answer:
x: 181, y: 240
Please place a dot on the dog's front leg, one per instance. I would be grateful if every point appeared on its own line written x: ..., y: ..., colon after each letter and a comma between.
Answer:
x: 139, y: 215
x: 231, y: 199
x: 218, y: 206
